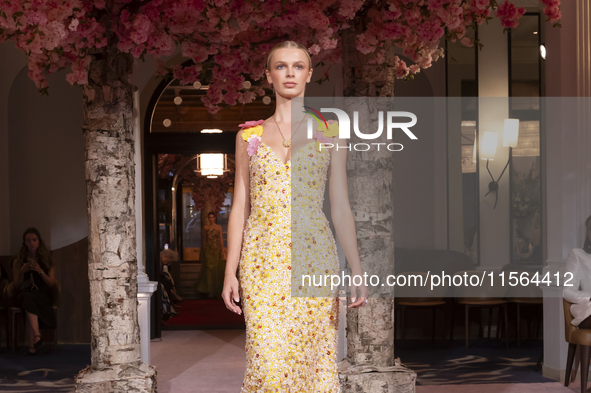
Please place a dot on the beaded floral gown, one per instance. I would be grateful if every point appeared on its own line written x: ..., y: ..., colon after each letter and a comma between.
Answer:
x: 291, y: 341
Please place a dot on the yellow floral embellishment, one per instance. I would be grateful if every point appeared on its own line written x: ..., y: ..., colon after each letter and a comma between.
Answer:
x: 333, y: 129
x: 256, y: 130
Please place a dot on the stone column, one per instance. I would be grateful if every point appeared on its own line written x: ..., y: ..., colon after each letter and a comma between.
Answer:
x: 370, y: 365
x: 116, y: 364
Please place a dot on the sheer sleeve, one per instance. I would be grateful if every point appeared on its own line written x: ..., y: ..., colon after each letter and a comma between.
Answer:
x: 573, y: 294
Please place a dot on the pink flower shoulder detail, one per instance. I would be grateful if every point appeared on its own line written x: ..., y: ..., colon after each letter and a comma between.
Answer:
x: 252, y: 131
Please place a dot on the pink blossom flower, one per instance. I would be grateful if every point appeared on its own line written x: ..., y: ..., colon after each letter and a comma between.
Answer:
x: 480, y: 4
x: 74, y: 24
x: 36, y: 18
x: 467, y: 42
x: 509, y: 14
x: 401, y: 69
x: 208, y: 31
x: 253, y: 144
x: 249, y: 124
x: 319, y: 136
x: 552, y: 10
x: 79, y: 74
x: 314, y: 49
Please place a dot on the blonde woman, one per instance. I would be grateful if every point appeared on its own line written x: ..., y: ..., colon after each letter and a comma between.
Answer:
x: 291, y: 342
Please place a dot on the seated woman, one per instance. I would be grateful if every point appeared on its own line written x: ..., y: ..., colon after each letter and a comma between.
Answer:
x: 167, y: 257
x: 34, y: 277
x: 578, y: 263
x: 4, y: 280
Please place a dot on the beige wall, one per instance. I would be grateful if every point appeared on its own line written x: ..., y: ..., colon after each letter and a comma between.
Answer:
x: 46, y: 158
x: 493, y: 87
x: 12, y: 62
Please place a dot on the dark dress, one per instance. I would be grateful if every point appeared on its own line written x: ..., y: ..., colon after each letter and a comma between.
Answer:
x: 36, y: 301
x: 3, y: 274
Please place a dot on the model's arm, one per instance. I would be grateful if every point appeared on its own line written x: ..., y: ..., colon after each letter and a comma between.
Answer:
x: 573, y: 294
x: 342, y: 217
x: 236, y: 224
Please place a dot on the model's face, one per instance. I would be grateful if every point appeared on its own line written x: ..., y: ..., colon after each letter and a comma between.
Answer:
x: 289, y: 72
x: 211, y: 219
x: 32, y: 242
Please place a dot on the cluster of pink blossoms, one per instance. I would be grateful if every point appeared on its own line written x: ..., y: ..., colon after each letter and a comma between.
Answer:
x: 417, y: 26
x: 229, y: 40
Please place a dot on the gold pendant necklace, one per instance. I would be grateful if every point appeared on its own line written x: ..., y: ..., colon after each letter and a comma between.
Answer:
x: 287, y: 143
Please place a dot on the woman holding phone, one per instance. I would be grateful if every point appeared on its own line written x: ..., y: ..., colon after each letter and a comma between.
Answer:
x: 34, y: 277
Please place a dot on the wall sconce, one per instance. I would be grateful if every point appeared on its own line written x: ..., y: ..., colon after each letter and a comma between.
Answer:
x: 212, y: 165
x: 489, y: 149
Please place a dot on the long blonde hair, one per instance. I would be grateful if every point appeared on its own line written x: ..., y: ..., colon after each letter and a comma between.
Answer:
x: 288, y: 44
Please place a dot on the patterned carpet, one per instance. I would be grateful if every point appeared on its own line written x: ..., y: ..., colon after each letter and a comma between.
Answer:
x: 483, y: 363
x: 489, y: 365
x: 46, y: 372
x: 552, y: 387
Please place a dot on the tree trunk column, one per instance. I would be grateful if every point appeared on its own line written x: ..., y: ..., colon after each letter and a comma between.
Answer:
x: 370, y: 365
x: 112, y: 263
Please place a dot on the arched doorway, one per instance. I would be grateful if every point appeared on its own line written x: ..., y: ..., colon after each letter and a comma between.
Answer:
x: 178, y: 132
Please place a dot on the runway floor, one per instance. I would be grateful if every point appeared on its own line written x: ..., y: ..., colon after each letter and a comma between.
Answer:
x: 213, y: 361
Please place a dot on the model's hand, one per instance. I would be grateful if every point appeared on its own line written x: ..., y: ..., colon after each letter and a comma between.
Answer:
x: 362, y: 292
x: 230, y: 293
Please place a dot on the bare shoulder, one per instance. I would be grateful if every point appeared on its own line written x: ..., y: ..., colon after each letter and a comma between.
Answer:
x: 239, y: 138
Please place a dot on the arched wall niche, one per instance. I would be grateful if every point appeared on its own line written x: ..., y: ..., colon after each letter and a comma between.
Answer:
x: 46, y: 161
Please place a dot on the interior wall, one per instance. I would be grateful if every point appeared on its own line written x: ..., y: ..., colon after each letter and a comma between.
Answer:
x: 420, y: 174
x: 12, y: 63
x: 493, y: 86
x: 46, y: 159
x: 42, y: 181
